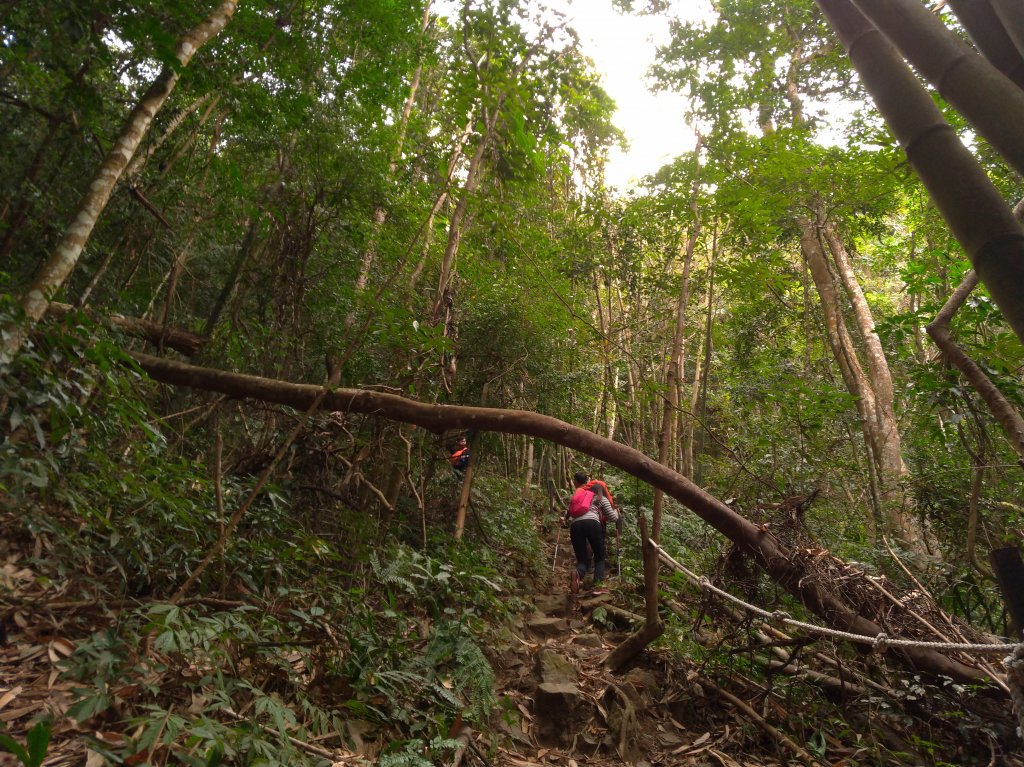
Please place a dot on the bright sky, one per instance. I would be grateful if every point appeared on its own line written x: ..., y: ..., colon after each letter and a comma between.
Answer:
x: 623, y: 47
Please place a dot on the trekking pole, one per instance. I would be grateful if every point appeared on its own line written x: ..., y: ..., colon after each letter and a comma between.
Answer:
x: 558, y: 538
x: 618, y: 549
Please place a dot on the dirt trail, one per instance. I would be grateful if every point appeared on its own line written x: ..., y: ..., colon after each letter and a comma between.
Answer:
x: 570, y: 710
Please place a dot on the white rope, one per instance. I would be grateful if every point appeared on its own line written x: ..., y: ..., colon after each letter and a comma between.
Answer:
x: 879, y: 643
x: 1015, y: 679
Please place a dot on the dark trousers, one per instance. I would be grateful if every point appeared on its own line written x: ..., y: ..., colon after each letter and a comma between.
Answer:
x: 581, y: 533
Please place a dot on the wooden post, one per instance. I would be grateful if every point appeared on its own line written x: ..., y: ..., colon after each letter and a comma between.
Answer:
x: 1009, y: 570
x: 467, y: 477
x: 653, y: 627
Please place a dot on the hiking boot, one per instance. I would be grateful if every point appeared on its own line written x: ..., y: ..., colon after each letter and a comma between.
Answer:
x: 599, y: 590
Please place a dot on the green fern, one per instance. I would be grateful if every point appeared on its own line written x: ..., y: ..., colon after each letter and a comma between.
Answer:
x: 391, y: 574
x: 417, y: 753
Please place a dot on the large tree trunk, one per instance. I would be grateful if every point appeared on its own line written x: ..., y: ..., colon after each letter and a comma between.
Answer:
x: 65, y: 256
x: 891, y: 468
x: 881, y: 437
x: 975, y: 211
x: 779, y: 562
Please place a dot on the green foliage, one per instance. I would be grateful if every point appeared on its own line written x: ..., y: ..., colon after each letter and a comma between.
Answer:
x: 37, y: 740
x: 418, y: 753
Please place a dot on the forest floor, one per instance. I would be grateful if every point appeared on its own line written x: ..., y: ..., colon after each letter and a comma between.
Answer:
x: 661, y: 710
x: 714, y: 708
x: 667, y: 709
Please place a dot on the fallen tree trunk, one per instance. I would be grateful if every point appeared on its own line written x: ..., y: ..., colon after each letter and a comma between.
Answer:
x: 762, y: 546
x: 157, y: 334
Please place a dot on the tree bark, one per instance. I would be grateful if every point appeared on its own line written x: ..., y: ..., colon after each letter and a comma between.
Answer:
x: 65, y: 256
x: 653, y: 626
x: 973, y: 208
x: 892, y: 469
x: 762, y: 546
x: 877, y: 419
x: 1011, y: 14
x: 528, y: 469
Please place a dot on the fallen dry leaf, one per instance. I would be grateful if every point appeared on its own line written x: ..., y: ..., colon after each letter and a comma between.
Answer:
x: 63, y: 646
x: 32, y: 652
x: 10, y: 695
x: 13, y: 714
x: 110, y: 738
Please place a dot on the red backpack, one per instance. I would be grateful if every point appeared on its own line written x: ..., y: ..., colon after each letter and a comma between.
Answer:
x: 607, y: 492
x: 580, y: 502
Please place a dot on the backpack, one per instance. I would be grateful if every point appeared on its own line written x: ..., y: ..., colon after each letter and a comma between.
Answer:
x: 460, y: 458
x: 580, y: 502
x: 607, y: 492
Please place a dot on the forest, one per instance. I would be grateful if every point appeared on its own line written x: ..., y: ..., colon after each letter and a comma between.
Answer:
x: 264, y: 263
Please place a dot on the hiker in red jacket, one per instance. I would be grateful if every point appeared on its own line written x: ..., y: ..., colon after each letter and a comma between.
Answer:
x: 588, y: 509
x: 459, y: 458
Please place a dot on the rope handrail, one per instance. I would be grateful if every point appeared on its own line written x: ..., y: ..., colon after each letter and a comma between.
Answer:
x: 879, y: 642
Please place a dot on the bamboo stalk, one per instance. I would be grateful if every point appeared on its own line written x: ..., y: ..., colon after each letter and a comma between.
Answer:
x: 975, y: 211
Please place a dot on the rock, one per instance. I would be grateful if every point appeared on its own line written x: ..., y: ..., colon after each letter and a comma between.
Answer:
x: 553, y: 668
x: 590, y: 602
x: 560, y: 712
x: 514, y: 732
x: 643, y: 687
x: 552, y: 604
x: 624, y: 727
x: 588, y: 640
x: 547, y: 626
x: 586, y: 653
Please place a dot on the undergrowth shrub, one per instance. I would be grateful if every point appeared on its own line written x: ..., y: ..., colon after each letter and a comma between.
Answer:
x: 87, y: 466
x: 321, y: 636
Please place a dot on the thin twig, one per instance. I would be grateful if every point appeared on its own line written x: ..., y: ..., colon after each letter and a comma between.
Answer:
x: 802, y: 754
